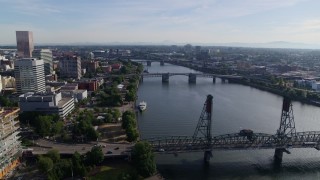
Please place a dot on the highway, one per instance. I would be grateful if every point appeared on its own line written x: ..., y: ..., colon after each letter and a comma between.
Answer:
x: 114, y: 149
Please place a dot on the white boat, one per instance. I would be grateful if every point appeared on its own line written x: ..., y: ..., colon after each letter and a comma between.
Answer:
x: 142, y: 106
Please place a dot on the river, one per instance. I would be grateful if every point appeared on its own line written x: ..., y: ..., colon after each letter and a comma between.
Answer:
x: 174, y: 109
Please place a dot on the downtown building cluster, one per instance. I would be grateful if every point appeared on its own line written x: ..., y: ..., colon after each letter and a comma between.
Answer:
x: 24, y: 73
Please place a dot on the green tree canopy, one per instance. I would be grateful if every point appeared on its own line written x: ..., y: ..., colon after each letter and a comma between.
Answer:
x: 54, y: 155
x: 79, y: 168
x: 45, y: 164
x: 143, y: 159
x: 95, y: 156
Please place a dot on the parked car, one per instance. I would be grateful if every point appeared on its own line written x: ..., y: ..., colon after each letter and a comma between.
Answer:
x: 109, y: 152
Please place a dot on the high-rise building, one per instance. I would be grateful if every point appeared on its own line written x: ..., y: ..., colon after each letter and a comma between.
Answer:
x: 29, y: 74
x: 10, y: 147
x: 46, y: 56
x: 70, y: 67
x: 24, y: 43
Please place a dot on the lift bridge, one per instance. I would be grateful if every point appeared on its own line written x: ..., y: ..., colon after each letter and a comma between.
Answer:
x: 285, y: 138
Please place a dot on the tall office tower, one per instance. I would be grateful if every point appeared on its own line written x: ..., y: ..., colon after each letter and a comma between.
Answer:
x: 29, y: 74
x: 70, y: 67
x: 46, y: 56
x: 24, y: 43
x: 10, y: 147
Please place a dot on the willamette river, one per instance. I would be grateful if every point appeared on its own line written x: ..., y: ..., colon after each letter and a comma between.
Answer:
x: 174, y: 109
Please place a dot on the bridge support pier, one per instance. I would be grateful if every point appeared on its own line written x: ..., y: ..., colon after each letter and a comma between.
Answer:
x: 214, y: 80
x: 161, y: 63
x: 223, y: 80
x: 207, y: 156
x: 148, y: 63
x: 278, y: 154
x: 165, y: 78
x: 192, y: 78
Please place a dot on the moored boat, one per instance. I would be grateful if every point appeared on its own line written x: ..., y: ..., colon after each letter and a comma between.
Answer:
x: 142, y: 106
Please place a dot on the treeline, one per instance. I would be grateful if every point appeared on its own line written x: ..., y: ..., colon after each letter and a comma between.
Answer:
x: 55, y: 168
x: 278, y: 86
x: 129, y: 123
x: 43, y: 125
x: 110, y: 95
x: 83, y: 129
x: 5, y: 102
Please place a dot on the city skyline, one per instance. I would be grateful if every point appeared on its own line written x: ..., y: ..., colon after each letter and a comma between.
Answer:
x: 165, y: 22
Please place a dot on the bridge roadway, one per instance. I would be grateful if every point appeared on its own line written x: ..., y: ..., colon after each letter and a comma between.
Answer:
x: 117, y: 149
x: 180, y: 144
x: 187, y: 74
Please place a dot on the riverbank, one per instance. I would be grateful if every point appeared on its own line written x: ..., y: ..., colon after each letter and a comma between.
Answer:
x: 279, y: 91
x: 300, y: 95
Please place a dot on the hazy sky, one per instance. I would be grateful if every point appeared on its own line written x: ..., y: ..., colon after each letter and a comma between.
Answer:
x: 181, y: 21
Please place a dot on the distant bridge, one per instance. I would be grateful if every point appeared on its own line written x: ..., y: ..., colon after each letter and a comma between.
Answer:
x: 148, y: 62
x: 192, y: 76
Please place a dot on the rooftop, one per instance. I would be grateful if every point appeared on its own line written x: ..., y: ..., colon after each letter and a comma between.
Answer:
x: 63, y: 101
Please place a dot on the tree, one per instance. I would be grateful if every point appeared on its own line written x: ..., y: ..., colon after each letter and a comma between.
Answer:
x: 43, y: 125
x: 77, y: 165
x: 61, y: 170
x: 57, y: 127
x: 29, y: 117
x: 108, y: 118
x: 95, y: 156
x: 132, y: 133
x: 128, y: 121
x: 45, y: 164
x: 130, y: 96
x: 143, y: 159
x: 53, y: 155
x: 116, y: 114
x: 92, y: 134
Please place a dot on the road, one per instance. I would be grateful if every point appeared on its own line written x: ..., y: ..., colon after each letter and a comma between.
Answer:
x: 116, y: 149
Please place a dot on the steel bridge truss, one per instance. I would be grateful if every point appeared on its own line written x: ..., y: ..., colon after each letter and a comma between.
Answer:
x: 178, y: 144
x: 285, y: 138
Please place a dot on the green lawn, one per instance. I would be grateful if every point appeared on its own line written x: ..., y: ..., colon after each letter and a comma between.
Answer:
x: 110, y: 172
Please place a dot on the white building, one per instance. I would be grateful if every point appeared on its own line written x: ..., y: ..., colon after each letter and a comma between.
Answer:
x: 29, y: 74
x: 78, y: 94
x: 49, y: 103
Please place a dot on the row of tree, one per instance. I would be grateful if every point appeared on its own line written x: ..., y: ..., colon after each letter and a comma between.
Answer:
x: 43, y: 125
x: 52, y: 166
x: 129, y: 123
x: 5, y: 102
x: 83, y: 129
x: 143, y: 159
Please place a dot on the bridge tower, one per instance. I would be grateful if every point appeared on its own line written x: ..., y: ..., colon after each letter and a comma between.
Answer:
x: 204, y: 127
x: 286, y: 130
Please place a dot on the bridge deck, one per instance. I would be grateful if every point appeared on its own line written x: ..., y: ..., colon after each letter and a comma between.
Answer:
x: 310, y: 139
x: 187, y: 74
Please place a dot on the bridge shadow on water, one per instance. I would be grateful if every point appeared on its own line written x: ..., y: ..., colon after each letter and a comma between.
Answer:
x: 293, y: 169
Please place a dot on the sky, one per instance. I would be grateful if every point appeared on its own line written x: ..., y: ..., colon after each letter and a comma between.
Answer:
x: 161, y: 21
